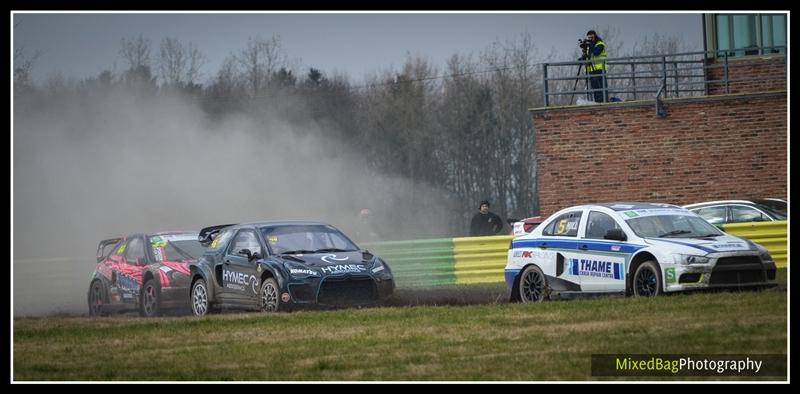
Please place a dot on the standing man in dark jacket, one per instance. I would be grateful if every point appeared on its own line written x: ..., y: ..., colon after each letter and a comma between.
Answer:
x: 485, y: 222
x: 595, y: 54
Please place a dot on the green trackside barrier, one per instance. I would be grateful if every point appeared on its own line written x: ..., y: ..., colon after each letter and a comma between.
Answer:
x: 418, y: 263
x: 771, y: 235
x: 481, y: 259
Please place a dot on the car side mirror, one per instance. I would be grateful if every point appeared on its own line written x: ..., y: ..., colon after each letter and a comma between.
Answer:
x: 246, y: 253
x: 616, y: 234
x: 255, y: 256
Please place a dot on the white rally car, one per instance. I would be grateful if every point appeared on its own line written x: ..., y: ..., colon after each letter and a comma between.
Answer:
x: 638, y: 249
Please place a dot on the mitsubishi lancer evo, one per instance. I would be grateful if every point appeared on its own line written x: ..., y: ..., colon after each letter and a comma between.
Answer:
x: 639, y: 249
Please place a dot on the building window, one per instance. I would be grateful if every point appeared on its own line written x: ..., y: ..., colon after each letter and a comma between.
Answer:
x: 750, y: 34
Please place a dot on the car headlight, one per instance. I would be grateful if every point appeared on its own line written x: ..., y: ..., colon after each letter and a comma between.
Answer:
x: 765, y: 256
x: 300, y: 271
x: 379, y: 266
x: 687, y: 259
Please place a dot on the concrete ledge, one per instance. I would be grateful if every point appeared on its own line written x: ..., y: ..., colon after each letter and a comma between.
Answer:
x: 651, y: 102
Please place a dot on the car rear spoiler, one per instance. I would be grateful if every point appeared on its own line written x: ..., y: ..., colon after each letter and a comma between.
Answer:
x: 101, y: 252
x: 207, y: 234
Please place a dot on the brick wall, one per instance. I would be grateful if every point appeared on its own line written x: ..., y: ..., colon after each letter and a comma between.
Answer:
x: 707, y: 148
x: 744, y: 68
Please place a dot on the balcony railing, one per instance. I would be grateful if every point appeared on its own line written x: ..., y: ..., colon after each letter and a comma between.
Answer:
x: 667, y: 75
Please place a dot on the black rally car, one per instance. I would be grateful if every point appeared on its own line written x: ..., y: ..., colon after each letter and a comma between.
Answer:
x: 276, y: 266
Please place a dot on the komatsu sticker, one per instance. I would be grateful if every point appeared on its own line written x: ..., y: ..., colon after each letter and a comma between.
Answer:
x: 295, y: 271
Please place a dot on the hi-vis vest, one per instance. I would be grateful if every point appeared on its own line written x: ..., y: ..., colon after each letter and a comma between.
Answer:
x: 598, y: 62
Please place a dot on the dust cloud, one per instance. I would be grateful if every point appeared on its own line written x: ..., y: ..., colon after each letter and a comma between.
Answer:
x: 86, y: 169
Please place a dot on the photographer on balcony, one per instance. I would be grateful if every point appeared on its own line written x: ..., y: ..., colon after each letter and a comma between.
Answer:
x: 594, y: 53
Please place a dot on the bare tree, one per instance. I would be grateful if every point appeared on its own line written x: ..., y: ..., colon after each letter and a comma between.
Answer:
x: 260, y: 60
x: 23, y: 66
x: 179, y: 64
x: 136, y: 52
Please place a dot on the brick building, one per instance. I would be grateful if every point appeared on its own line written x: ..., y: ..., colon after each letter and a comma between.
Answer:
x: 728, y: 141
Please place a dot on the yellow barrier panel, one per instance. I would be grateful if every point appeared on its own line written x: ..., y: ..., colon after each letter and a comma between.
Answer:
x: 481, y: 259
x: 771, y: 235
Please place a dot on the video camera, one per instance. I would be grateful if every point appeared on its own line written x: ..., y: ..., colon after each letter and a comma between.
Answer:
x: 584, y: 43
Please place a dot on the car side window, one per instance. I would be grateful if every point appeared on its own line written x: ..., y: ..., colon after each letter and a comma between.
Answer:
x: 713, y: 215
x: 134, y: 252
x: 221, y: 240
x: 746, y: 214
x: 598, y: 225
x: 565, y: 225
x: 245, y: 239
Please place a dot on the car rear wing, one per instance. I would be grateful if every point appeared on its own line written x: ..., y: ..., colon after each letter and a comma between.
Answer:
x: 207, y: 234
x: 105, y: 247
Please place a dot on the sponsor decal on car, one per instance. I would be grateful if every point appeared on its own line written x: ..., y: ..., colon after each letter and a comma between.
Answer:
x: 343, y: 269
x: 729, y: 245
x: 158, y: 242
x: 377, y: 269
x: 165, y: 268
x: 328, y: 257
x: 126, y: 282
x: 238, y: 280
x: 670, y: 275
x: 525, y: 254
x: 294, y: 271
x: 596, y: 268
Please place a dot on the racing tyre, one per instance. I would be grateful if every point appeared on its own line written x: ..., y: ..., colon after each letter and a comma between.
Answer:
x: 199, y: 298
x: 96, y: 299
x: 533, y: 285
x: 268, y: 297
x: 647, y: 280
x: 149, y: 299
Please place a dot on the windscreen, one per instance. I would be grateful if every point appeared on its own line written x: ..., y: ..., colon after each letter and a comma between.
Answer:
x: 176, y: 247
x: 306, y: 239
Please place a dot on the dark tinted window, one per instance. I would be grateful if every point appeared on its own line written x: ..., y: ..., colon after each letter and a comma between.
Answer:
x: 713, y: 215
x: 598, y: 225
x: 245, y: 239
x: 135, y: 250
x: 775, y: 206
x: 746, y: 214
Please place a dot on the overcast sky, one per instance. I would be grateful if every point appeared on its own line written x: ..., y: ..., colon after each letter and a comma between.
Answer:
x: 83, y: 45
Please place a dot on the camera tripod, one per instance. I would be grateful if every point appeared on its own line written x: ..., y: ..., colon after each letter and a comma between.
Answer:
x: 577, y: 78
